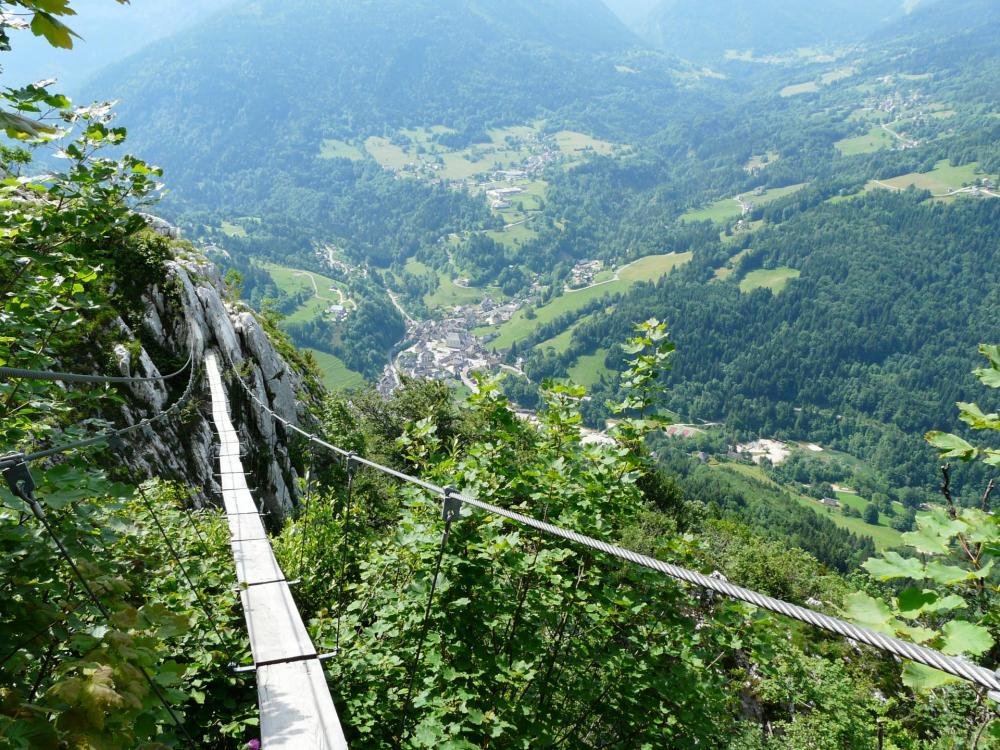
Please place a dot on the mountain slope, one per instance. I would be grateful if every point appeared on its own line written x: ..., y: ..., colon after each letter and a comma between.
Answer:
x: 108, y: 32
x: 705, y: 30
x: 278, y: 77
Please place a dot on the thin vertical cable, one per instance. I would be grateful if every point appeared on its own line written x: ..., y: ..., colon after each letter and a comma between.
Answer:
x: 344, y: 540
x: 183, y: 568
x: 306, y: 523
x: 423, y: 636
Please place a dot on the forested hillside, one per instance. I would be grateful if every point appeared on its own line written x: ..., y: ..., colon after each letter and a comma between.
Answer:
x: 706, y: 30
x: 382, y: 171
x: 348, y: 69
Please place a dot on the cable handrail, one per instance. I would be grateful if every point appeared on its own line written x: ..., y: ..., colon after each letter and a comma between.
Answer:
x: 72, y: 377
x: 14, y: 459
x: 953, y: 665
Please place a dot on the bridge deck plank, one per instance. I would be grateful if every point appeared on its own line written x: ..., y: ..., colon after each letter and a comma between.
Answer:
x: 296, y: 710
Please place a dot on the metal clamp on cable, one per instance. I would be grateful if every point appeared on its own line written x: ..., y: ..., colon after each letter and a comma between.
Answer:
x: 9, y: 460
x: 451, y: 509
x: 22, y: 484
x: 20, y: 481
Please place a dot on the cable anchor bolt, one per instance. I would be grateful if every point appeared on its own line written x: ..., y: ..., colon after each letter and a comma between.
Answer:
x: 451, y: 508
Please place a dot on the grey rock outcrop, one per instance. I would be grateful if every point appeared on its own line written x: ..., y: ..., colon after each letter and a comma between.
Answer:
x: 189, y: 313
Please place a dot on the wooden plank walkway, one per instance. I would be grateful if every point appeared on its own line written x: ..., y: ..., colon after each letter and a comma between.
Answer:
x: 296, y: 710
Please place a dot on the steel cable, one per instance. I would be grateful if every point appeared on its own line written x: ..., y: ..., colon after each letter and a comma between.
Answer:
x: 953, y: 665
x: 70, y: 377
x: 176, y: 557
x: 106, y: 437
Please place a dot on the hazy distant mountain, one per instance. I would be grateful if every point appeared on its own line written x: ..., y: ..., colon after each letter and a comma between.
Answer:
x: 269, y: 80
x: 633, y: 13
x: 935, y: 18
x: 705, y: 30
x: 109, y: 32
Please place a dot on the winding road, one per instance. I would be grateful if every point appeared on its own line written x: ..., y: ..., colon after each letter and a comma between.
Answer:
x: 320, y: 297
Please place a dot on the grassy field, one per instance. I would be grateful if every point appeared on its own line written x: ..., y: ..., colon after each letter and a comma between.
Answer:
x: 839, y: 74
x: 331, y: 148
x: 729, y: 208
x: 874, y: 140
x: 572, y: 143
x: 448, y: 293
x: 759, y: 161
x: 386, y: 153
x: 884, y: 537
x: 457, y: 166
x: 859, y: 504
x: 336, y: 375
x: 499, y: 135
x: 810, y: 87
x: 646, y: 269
x: 774, y: 279
x: 292, y: 281
x: 233, y: 230
x: 513, y: 236
x: 560, y: 342
x: 589, y: 368
x: 943, y: 179
x: 730, y: 267
x: 723, y: 210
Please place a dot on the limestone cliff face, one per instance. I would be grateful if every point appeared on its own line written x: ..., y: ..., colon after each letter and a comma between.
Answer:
x: 189, y: 312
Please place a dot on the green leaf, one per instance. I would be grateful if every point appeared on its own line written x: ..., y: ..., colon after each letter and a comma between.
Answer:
x: 870, y: 612
x: 56, y: 7
x: 992, y: 353
x: 923, y: 679
x: 893, y: 565
x: 917, y: 634
x: 989, y: 377
x: 55, y: 31
x: 962, y: 638
x: 973, y: 416
x: 947, y: 574
x: 913, y: 601
x: 951, y: 446
x: 934, y: 533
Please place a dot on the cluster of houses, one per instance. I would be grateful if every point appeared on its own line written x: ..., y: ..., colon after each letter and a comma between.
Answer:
x: 336, y: 313
x: 500, y: 197
x: 746, y: 206
x: 444, y: 350
x: 584, y: 273
x: 491, y: 313
x: 895, y: 102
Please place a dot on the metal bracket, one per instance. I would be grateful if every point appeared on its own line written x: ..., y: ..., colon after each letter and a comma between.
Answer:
x: 19, y: 479
x: 245, y: 586
x: 291, y: 660
x: 452, y: 506
x: 11, y: 459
